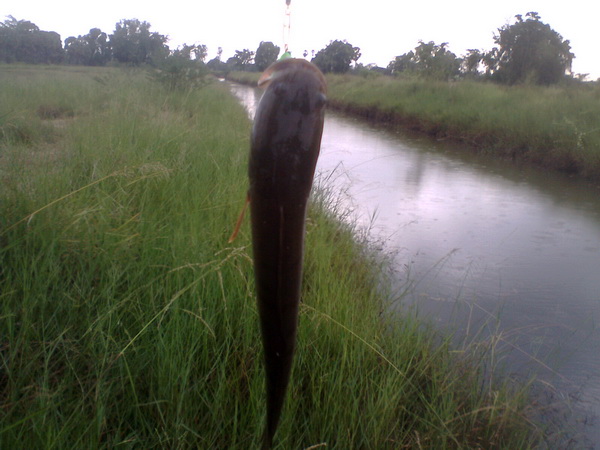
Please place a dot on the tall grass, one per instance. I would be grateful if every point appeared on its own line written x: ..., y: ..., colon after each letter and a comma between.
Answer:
x: 126, y: 319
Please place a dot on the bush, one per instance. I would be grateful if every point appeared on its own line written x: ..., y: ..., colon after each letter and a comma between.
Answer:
x: 180, y: 73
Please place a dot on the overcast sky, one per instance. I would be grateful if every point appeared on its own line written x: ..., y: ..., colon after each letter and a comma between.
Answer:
x: 382, y: 29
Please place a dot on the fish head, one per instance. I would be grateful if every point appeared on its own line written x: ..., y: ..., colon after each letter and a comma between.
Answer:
x: 298, y: 75
x: 288, y: 127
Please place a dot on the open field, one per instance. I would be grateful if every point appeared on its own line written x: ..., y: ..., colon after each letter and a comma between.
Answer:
x: 556, y: 127
x: 127, y: 320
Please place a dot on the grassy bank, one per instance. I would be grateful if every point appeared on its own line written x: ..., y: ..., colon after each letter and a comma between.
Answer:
x: 556, y: 127
x: 249, y: 78
x: 127, y: 320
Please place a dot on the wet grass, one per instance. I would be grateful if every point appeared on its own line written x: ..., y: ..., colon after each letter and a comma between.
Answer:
x: 127, y: 320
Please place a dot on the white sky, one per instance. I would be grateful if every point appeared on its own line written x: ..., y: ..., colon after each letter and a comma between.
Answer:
x: 382, y: 29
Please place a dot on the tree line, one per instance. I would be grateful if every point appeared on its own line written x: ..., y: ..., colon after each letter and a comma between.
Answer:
x: 527, y: 50
x: 131, y: 43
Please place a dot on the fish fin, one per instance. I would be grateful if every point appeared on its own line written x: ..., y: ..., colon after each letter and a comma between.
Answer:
x: 238, y: 224
x: 265, y: 78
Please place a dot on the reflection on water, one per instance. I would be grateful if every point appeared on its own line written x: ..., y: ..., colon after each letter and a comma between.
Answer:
x: 248, y: 96
x: 481, y: 246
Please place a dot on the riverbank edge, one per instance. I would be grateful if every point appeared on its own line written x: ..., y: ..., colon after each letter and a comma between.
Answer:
x: 563, y: 160
x: 477, y: 143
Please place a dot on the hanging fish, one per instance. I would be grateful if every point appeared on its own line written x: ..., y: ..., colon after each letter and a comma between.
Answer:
x: 286, y: 140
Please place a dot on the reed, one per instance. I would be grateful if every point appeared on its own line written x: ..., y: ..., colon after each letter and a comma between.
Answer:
x: 127, y: 320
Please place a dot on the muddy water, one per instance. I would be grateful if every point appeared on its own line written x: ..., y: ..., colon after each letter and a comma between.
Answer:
x: 485, y: 248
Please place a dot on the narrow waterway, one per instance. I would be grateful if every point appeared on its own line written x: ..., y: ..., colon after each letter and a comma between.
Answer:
x: 490, y: 250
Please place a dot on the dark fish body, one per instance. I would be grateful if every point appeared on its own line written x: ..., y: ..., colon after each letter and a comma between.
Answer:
x: 286, y: 139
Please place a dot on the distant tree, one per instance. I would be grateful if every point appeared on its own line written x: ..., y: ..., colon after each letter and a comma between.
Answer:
x: 23, y: 41
x: 187, y: 51
x: 233, y: 63
x: 529, y: 50
x: 266, y: 54
x: 24, y: 26
x: 336, y: 57
x: 77, y: 51
x: 133, y: 43
x: 13, y: 39
x: 216, y: 65
x: 471, y: 62
x: 179, y: 71
x: 403, y: 63
x: 245, y: 56
x: 376, y: 69
x: 46, y: 48
x: 200, y: 51
x: 369, y: 71
x: 581, y: 76
x: 428, y: 60
x: 242, y: 60
x: 101, y: 52
x: 91, y: 49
